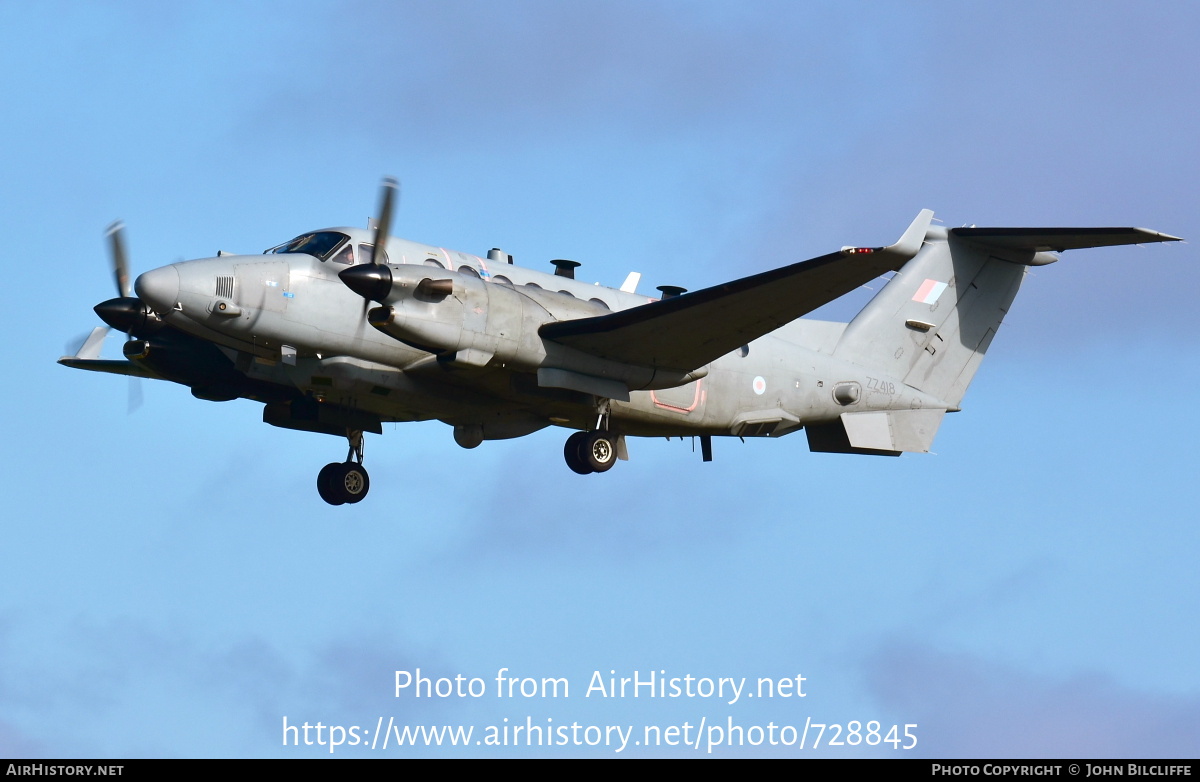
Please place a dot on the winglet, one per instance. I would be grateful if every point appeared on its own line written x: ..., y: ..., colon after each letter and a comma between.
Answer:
x: 914, y: 237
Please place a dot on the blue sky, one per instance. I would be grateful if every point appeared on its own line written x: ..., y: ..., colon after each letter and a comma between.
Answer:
x: 174, y: 587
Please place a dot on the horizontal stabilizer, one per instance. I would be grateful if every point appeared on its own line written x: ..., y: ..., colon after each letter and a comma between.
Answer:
x: 1059, y: 239
x: 879, y: 432
x: 893, y: 430
x: 688, y: 331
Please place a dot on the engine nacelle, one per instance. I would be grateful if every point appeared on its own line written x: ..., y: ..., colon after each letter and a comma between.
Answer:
x: 462, y: 317
x: 465, y: 320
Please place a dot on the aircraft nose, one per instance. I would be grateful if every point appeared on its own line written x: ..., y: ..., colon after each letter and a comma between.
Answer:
x: 159, y: 288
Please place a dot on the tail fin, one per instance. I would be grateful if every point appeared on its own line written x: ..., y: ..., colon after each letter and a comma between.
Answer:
x: 932, y: 323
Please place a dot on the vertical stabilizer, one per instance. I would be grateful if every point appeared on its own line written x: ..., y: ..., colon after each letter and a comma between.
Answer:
x: 932, y: 323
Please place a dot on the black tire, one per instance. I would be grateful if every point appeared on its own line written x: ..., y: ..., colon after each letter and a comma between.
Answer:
x: 598, y: 450
x: 573, y: 452
x: 327, y: 483
x: 354, y: 482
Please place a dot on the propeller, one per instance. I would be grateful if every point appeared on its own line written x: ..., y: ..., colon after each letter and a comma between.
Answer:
x: 389, y: 193
x: 126, y: 312
x: 118, y: 257
x: 134, y: 397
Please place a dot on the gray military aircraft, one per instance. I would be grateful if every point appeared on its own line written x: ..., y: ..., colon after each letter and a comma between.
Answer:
x: 341, y: 329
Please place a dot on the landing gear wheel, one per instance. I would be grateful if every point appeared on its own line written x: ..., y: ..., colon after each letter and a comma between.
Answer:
x: 598, y: 450
x: 341, y: 483
x: 573, y: 451
x: 354, y: 482
x: 327, y: 483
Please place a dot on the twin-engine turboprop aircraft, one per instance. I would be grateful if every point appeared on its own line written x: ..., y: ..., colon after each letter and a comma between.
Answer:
x: 341, y: 329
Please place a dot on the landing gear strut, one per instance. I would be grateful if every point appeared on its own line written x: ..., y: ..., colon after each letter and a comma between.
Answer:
x: 340, y: 483
x: 594, y: 451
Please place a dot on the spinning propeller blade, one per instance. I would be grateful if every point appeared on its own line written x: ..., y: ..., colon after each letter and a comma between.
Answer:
x: 123, y: 311
x: 383, y: 225
x: 388, y: 194
x: 120, y: 262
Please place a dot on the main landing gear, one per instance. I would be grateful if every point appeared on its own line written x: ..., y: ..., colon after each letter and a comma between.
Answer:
x: 594, y: 451
x: 341, y: 483
x: 588, y: 452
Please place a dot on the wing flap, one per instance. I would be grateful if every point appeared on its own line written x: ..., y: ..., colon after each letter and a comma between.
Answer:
x: 686, y: 332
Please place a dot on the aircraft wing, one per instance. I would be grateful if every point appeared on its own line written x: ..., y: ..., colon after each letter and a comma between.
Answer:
x: 686, y: 332
x: 118, y: 367
x: 87, y: 357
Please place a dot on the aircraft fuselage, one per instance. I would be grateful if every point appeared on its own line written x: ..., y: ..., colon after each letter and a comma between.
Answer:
x: 336, y: 338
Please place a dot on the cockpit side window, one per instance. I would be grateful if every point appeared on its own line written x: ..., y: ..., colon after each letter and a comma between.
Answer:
x: 319, y: 245
x: 366, y: 254
x: 345, y: 255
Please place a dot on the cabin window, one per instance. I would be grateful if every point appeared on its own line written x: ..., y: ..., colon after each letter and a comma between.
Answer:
x: 468, y: 270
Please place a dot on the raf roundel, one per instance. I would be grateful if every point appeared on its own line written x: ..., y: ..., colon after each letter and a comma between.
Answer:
x: 759, y: 385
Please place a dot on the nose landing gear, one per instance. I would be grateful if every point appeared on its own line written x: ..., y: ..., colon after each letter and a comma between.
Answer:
x: 347, y: 482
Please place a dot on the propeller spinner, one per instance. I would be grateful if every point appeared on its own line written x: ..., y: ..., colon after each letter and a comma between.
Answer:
x: 373, y: 280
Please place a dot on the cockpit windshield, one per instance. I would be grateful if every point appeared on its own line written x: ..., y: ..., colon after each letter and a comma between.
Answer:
x: 319, y: 245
